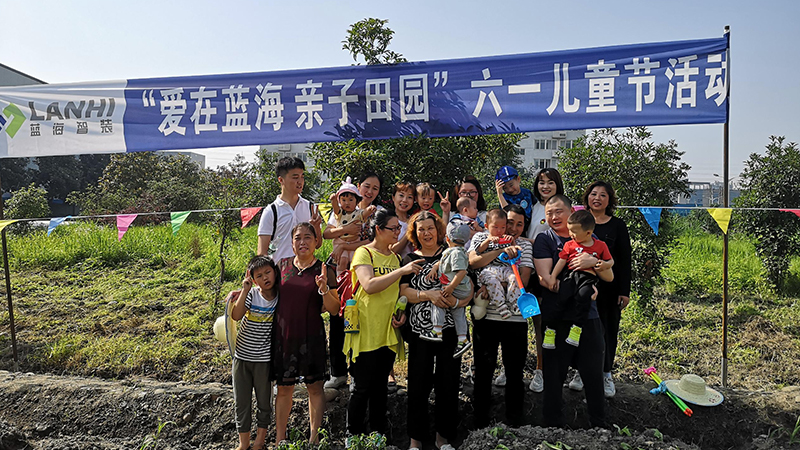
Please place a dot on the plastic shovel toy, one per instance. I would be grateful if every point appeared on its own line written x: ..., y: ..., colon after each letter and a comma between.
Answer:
x: 662, y: 388
x: 527, y: 302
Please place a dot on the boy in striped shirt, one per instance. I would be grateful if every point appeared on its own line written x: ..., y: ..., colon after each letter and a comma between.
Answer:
x: 255, y: 307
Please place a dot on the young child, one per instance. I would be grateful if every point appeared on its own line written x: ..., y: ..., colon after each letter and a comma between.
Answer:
x: 344, y: 204
x: 455, y: 282
x: 497, y: 272
x: 467, y: 211
x: 575, y: 292
x: 426, y: 198
x: 255, y: 307
x: 507, y: 184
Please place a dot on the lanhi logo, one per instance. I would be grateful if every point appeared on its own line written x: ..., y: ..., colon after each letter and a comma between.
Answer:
x: 11, y: 119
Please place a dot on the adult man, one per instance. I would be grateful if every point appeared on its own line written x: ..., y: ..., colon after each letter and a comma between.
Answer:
x: 493, y: 331
x: 288, y: 209
x: 588, y: 356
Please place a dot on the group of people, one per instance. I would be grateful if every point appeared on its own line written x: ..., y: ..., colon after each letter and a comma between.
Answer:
x: 437, y: 260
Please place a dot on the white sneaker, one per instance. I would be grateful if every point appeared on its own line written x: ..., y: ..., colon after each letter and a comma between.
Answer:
x: 537, y: 383
x: 576, y: 384
x: 336, y: 382
x: 608, y: 386
x: 501, y: 379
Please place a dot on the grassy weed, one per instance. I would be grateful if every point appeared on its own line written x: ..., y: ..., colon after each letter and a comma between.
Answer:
x: 695, y: 267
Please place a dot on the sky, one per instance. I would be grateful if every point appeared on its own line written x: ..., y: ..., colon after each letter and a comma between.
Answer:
x: 74, y: 41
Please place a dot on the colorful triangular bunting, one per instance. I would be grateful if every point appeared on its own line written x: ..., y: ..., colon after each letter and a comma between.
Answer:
x: 794, y: 211
x: 248, y: 214
x: 653, y: 217
x: 5, y: 223
x: 722, y: 216
x: 325, y: 210
x: 177, y: 219
x: 123, y: 222
x: 54, y: 222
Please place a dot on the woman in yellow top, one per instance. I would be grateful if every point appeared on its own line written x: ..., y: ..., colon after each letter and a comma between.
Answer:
x: 373, y: 349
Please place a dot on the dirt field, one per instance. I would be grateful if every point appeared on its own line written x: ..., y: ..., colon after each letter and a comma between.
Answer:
x: 59, y: 412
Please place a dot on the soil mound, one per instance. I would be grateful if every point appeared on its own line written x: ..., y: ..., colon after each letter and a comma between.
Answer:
x: 61, y: 412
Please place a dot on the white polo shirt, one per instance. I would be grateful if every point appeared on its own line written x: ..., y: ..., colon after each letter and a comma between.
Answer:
x: 281, y: 244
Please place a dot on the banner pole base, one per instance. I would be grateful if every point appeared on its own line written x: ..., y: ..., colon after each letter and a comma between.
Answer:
x: 724, y: 372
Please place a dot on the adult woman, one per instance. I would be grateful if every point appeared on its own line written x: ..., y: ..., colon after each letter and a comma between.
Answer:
x: 430, y: 364
x: 299, y: 347
x: 373, y: 349
x: 548, y: 184
x: 369, y: 186
x: 588, y: 356
x: 470, y: 187
x: 403, y: 195
x: 493, y: 331
x: 601, y: 200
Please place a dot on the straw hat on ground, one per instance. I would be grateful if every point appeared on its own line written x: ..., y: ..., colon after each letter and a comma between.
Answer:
x: 693, y: 389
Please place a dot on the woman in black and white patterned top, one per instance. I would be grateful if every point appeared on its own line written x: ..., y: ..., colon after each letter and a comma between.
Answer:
x: 426, y: 232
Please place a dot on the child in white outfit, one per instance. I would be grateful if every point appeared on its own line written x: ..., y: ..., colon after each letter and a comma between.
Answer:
x: 455, y: 282
x: 344, y: 205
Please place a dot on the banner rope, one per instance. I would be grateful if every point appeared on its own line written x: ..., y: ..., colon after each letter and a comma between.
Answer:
x: 155, y: 213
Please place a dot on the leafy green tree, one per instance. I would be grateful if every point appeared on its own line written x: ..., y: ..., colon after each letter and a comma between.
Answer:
x: 771, y: 180
x: 440, y: 161
x: 59, y: 175
x: 370, y: 38
x: 14, y: 173
x: 145, y: 182
x: 643, y: 173
x: 29, y: 202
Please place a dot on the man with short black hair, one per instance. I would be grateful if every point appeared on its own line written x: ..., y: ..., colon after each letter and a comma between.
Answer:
x: 288, y: 209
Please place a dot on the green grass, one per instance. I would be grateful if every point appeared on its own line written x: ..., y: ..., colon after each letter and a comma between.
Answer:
x: 695, y: 267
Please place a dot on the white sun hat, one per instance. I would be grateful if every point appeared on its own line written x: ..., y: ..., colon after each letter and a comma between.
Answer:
x: 693, y: 389
x: 225, y: 328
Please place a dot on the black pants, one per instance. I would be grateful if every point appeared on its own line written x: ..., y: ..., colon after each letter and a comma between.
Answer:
x: 587, y: 358
x: 575, y: 297
x: 423, y: 358
x: 370, y: 371
x: 487, y: 336
x: 335, y: 344
x: 610, y: 316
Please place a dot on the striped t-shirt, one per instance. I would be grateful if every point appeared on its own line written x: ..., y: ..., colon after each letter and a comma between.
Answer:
x: 253, y: 342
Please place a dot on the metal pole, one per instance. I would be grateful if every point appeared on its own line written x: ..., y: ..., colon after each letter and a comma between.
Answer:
x: 726, y: 203
x: 8, y: 284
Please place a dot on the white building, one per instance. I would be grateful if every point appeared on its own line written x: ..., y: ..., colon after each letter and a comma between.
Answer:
x: 538, y: 149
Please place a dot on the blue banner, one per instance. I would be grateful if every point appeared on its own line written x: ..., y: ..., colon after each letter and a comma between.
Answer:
x: 665, y: 83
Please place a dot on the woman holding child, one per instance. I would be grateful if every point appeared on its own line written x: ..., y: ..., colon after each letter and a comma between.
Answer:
x: 366, y: 194
x: 373, y: 349
x: 431, y: 363
x: 470, y: 187
x: 299, y: 352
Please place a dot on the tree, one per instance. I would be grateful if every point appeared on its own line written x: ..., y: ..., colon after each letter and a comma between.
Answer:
x: 440, y: 161
x: 14, y: 173
x: 771, y: 181
x: 643, y: 173
x: 370, y: 39
x: 29, y: 202
x: 145, y: 182
x: 59, y: 175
